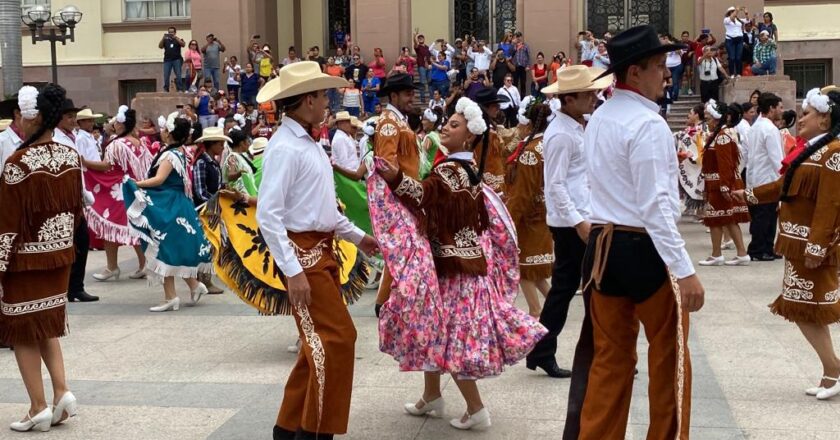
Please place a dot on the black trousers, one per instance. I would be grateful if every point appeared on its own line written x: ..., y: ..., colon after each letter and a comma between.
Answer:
x: 709, y: 90
x: 81, y: 243
x: 763, y: 229
x: 565, y: 280
x: 520, y: 79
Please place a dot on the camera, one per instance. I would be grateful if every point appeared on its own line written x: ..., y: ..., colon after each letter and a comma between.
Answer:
x: 707, y: 72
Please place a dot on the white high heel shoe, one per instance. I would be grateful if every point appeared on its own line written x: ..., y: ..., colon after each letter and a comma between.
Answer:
x: 67, y: 405
x: 41, y: 422
x: 173, y: 304
x: 139, y: 274
x: 107, y: 274
x: 435, y: 406
x: 828, y: 393
x: 199, y: 291
x: 813, y: 391
x: 479, y: 420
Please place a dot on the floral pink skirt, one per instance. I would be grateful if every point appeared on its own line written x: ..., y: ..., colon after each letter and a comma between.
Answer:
x: 466, y: 325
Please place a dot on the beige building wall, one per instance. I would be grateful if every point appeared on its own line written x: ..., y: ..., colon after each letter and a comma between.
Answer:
x: 683, y: 18
x: 807, y: 21
x: 285, y: 25
x: 434, y: 19
x: 313, y: 20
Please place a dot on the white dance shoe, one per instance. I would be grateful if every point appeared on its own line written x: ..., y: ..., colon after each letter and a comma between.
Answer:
x: 66, y: 408
x: 728, y: 245
x: 41, y: 422
x: 173, y: 304
x: 436, y: 406
x: 713, y: 261
x: 479, y: 420
x: 198, y: 292
x: 739, y: 261
x: 107, y: 274
x: 828, y: 393
x: 813, y: 391
x: 139, y: 274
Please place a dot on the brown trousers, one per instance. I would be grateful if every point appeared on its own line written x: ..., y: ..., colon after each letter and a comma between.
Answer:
x: 615, y: 327
x: 317, y: 394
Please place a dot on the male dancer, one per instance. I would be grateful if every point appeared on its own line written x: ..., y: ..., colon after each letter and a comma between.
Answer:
x: 298, y: 216
x: 566, y: 202
x: 396, y: 142
x: 634, y: 251
x: 64, y: 134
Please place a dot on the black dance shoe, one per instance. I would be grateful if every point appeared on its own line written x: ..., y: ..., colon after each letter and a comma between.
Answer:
x: 284, y: 434
x: 82, y: 297
x: 550, y: 367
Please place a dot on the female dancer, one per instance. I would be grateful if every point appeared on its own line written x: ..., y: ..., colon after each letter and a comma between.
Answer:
x: 238, y: 171
x: 526, y: 203
x: 161, y: 211
x: 689, y: 149
x: 41, y: 196
x: 810, y: 221
x: 462, y: 321
x: 722, y: 176
x: 124, y: 156
x: 432, y: 121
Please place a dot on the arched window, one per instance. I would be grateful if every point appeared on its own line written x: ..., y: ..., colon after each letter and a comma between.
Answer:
x: 338, y: 22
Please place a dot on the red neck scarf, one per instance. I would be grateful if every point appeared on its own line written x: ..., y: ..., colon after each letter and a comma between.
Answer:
x: 629, y: 88
x: 799, y: 148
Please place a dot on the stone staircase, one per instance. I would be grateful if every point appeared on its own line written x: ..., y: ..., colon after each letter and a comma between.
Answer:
x: 679, y: 111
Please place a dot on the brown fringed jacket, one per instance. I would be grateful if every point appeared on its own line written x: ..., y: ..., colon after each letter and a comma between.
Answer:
x: 451, y: 211
x: 396, y: 143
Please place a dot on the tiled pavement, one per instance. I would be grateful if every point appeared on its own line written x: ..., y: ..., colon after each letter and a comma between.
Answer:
x: 217, y: 371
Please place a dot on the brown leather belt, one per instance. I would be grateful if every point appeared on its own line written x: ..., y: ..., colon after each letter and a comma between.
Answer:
x: 602, y: 249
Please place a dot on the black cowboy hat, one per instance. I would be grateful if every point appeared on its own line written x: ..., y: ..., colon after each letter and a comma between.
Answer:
x: 8, y: 107
x: 488, y: 96
x: 68, y: 107
x: 396, y: 83
x: 635, y: 44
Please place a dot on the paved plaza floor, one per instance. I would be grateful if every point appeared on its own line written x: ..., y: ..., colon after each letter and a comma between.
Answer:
x: 217, y: 370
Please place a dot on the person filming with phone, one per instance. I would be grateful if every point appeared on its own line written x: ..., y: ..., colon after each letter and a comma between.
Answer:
x: 212, y: 59
x: 172, y: 59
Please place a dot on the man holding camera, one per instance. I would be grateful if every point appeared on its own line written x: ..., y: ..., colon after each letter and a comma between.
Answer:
x: 481, y: 56
x: 501, y: 67
x: 172, y: 59
x: 212, y: 50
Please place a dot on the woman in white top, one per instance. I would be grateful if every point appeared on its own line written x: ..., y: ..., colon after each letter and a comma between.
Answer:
x: 735, y: 38
x: 232, y: 69
x: 510, y: 108
x: 710, y: 70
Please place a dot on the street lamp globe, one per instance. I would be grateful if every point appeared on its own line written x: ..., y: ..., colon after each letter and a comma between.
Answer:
x: 70, y: 15
x: 39, y: 15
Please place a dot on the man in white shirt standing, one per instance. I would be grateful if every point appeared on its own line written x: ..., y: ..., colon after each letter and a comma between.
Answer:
x: 345, y: 149
x: 566, y: 202
x: 12, y: 137
x: 765, y: 160
x: 481, y: 56
x: 65, y: 134
x: 511, y: 107
x: 298, y: 216
x: 633, y: 252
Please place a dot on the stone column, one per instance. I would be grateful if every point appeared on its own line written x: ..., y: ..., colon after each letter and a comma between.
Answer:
x: 520, y: 14
x: 405, y: 25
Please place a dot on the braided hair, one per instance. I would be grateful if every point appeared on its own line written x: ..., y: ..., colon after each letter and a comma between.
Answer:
x: 129, y: 124
x: 49, y: 104
x: 833, y: 132
x: 179, y: 136
x: 485, y: 145
x: 538, y: 114
x: 731, y: 116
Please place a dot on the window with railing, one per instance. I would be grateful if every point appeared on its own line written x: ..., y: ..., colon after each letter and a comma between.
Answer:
x: 26, y: 4
x: 808, y: 74
x: 156, y: 9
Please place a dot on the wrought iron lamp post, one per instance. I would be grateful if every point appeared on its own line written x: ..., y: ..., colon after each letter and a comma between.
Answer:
x: 64, y: 22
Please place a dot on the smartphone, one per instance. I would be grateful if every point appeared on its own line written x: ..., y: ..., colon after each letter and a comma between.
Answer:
x: 706, y: 31
x: 256, y: 37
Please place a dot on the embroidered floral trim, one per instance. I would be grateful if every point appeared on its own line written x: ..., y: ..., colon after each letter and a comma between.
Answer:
x: 308, y: 258
x: 25, y: 308
x: 738, y: 209
x: 449, y: 251
x: 790, y: 229
x: 724, y: 188
x: 52, y: 157
x: 540, y: 198
x: 6, y: 242
x: 388, y: 130
x: 711, y: 176
x: 466, y: 237
x: 493, y: 181
x: 57, y: 227
x: 833, y: 162
x: 457, y: 179
x: 539, y: 148
x: 13, y: 174
x: 723, y: 139
x: 796, y: 287
x: 319, y: 355
x: 186, y: 225
x: 815, y: 250
x: 411, y: 188
x: 818, y: 154
x: 528, y: 158
x: 751, y: 198
x: 538, y: 259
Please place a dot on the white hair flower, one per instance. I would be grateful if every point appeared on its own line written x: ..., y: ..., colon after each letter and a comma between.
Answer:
x: 711, y: 109
x: 472, y: 113
x: 239, y: 118
x: 170, y: 121
x: 523, y: 107
x: 370, y: 128
x: 430, y: 115
x: 121, y: 114
x: 161, y: 122
x: 816, y: 100
x: 220, y: 123
x: 28, y: 102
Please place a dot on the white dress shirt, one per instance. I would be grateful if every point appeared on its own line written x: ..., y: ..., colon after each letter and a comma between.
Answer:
x: 9, y: 143
x: 87, y: 146
x: 633, y: 174
x: 435, y: 51
x: 566, y: 182
x: 743, y: 128
x: 765, y: 153
x: 298, y: 195
x: 62, y: 138
x: 345, y: 151
x: 481, y: 59
x: 511, y: 93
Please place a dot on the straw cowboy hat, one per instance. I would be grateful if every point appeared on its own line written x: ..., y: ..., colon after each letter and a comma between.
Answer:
x: 258, y: 146
x: 298, y: 79
x: 87, y: 113
x: 578, y: 78
x: 213, y: 134
x: 4, y: 124
x: 342, y: 116
x: 827, y: 89
x: 356, y: 122
x: 635, y: 44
